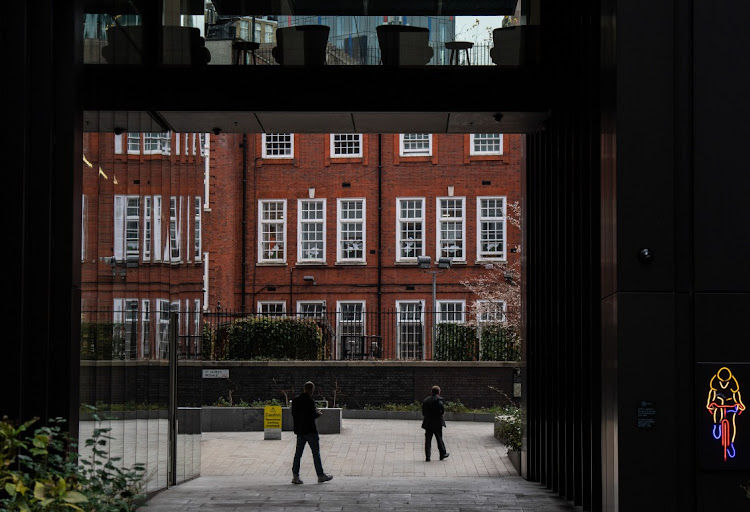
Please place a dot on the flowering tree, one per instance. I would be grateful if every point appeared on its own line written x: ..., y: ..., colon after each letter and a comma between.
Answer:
x: 498, y: 292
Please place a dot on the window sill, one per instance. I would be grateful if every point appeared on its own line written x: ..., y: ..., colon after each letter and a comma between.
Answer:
x: 310, y: 263
x: 490, y: 260
x: 351, y: 263
x: 271, y: 264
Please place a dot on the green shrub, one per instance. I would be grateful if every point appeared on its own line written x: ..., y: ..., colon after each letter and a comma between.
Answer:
x: 274, y: 338
x: 509, y: 428
x: 208, y: 342
x: 41, y: 473
x: 102, y: 341
x: 499, y: 342
x: 456, y: 342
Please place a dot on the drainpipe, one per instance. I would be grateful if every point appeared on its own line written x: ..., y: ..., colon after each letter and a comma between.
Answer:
x: 380, y: 237
x: 291, y: 290
x: 244, y: 224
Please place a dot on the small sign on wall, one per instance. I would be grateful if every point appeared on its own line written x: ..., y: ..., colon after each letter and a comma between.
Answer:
x: 272, y: 422
x: 215, y: 374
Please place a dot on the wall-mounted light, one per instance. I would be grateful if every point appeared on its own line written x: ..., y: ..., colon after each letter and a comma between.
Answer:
x: 216, y: 130
x: 311, y: 192
x: 310, y: 278
x: 119, y: 130
x: 424, y: 261
x: 444, y: 262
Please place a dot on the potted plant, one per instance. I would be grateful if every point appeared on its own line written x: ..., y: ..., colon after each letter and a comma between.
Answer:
x: 509, y: 431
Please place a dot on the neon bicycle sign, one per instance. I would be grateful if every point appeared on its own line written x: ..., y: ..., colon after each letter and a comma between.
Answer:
x: 724, y: 403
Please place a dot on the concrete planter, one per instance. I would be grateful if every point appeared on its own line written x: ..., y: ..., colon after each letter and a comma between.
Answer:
x: 361, y: 414
x: 515, y: 459
x: 250, y: 419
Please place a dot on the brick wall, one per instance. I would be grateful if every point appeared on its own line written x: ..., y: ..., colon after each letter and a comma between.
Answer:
x: 359, y: 383
x: 290, y: 179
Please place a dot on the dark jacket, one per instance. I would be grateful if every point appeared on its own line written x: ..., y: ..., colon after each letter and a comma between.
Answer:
x: 304, y: 414
x: 433, y: 410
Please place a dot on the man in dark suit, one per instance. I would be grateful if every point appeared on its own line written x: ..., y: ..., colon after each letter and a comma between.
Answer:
x: 304, y: 414
x: 433, y: 423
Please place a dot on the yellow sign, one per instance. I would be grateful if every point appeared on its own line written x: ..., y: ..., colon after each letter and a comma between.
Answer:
x: 272, y: 422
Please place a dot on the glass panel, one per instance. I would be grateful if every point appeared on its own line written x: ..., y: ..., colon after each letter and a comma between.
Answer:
x: 130, y: 314
x: 226, y: 32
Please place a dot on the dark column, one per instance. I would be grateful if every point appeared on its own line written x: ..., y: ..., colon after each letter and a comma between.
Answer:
x: 43, y: 189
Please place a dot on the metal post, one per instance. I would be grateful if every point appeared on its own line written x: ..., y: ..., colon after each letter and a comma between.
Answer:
x: 172, y: 407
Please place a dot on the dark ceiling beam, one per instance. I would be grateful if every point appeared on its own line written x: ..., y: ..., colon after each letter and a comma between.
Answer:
x: 334, y: 88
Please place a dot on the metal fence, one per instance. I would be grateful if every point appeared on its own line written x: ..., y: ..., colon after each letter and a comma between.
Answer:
x: 348, y: 334
x: 478, y: 55
x: 403, y: 334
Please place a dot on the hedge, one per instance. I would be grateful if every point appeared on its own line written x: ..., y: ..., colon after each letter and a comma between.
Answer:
x: 274, y: 338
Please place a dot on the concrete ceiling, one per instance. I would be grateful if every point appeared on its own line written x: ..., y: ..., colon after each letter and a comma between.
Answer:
x: 314, y: 122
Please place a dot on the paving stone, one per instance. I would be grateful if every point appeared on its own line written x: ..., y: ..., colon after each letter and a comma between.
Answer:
x: 378, y: 465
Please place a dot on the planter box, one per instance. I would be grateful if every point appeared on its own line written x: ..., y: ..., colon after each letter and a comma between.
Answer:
x: 250, y: 419
x: 361, y: 414
x: 515, y: 459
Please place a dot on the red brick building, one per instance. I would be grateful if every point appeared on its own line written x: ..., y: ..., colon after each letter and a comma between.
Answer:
x: 142, y: 252
x: 332, y: 225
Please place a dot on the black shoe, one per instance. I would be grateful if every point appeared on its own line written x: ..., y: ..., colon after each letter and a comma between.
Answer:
x: 427, y: 459
x: 445, y: 456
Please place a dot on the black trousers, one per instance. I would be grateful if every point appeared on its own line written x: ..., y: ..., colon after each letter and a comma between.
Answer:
x: 428, y: 441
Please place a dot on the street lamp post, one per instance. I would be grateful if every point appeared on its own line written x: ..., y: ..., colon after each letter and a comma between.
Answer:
x: 425, y: 262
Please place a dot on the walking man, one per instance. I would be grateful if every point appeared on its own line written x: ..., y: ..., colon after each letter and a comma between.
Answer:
x: 304, y: 414
x: 433, y: 423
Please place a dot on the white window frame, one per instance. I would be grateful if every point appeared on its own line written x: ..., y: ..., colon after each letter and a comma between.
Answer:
x: 440, y: 220
x: 339, y: 221
x: 266, y: 142
x: 173, y: 252
x: 316, y: 303
x: 158, y: 254
x: 344, y: 139
x: 197, y: 229
x: 472, y: 144
x: 266, y: 303
x: 197, y: 334
x: 399, y: 310
x: 134, y: 143
x: 129, y: 318
x: 404, y: 152
x: 480, y: 314
x: 401, y: 221
x: 161, y: 343
x: 500, y: 255
x: 147, y: 228
x: 264, y: 222
x: 444, y: 302
x: 340, y: 322
x: 120, y: 233
x: 301, y: 256
x: 145, y: 329
x: 177, y: 143
x: 155, y: 143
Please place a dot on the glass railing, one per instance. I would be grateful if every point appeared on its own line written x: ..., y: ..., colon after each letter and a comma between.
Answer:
x: 232, y: 32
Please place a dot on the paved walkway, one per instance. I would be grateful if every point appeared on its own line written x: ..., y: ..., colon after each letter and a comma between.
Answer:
x: 376, y: 465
